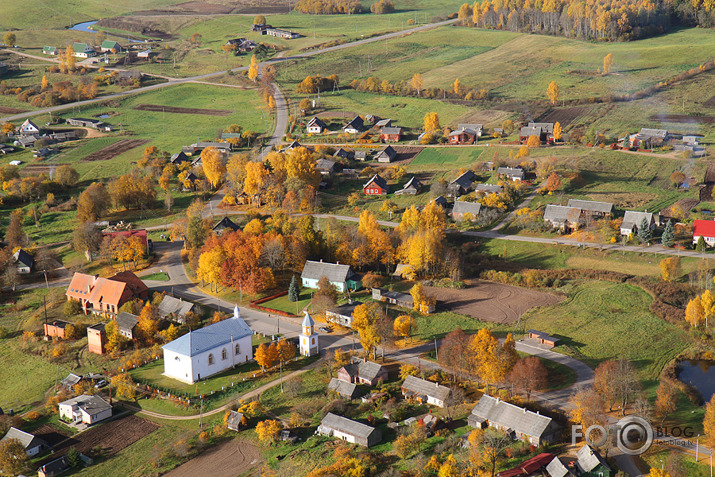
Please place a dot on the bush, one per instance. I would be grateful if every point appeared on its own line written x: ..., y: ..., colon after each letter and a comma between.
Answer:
x: 71, y: 308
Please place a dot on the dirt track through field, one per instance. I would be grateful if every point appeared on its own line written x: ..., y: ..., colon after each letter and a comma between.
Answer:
x: 491, y: 301
x: 115, y: 149
x: 8, y: 110
x: 170, y: 109
x: 228, y: 459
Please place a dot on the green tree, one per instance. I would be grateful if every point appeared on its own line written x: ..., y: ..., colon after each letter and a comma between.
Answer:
x: 700, y: 246
x: 668, y: 237
x: 645, y: 234
x: 293, y: 292
x: 73, y: 458
x: 9, y: 38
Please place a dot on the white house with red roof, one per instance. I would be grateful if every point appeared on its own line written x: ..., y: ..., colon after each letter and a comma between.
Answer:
x: 706, y: 230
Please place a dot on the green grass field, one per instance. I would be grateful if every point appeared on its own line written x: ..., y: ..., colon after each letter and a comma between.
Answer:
x: 283, y: 304
x: 441, y: 158
x: 25, y: 377
x: 603, y: 320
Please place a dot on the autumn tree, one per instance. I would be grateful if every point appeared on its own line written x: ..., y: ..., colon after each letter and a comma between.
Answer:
x: 457, y: 87
x: 709, y: 423
x: 253, y: 69
x: 124, y: 387
x: 553, y: 92
x: 454, y: 348
x: 404, y: 326
x: 677, y: 178
x: 259, y: 20
x: 210, y: 263
x: 13, y: 457
x: 616, y: 381
x: 421, y: 301
x: 267, y: 355
x: 694, y: 312
x: 87, y: 238
x: 670, y: 268
x: 365, y: 318
x: 607, y: 63
x: 464, y: 15
x: 213, y: 166
x: 558, y: 131
x: 553, y: 183
x: 14, y: 235
x: 286, y: 351
x: 148, y: 324
x: 529, y: 374
x: 431, y: 122
x: 417, y: 82
x: 666, y: 397
x: 268, y: 430
x: 533, y: 141
x: 9, y: 39
x: 587, y: 408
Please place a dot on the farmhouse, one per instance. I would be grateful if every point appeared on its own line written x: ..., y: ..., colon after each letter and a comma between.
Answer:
x: 316, y: 126
x: 28, y: 141
x: 343, y: 314
x: 56, y: 328
x: 174, y: 309
x: 127, y: 323
x: 513, y: 173
x: 556, y: 468
x: 543, y: 338
x: 387, y: 155
x: 517, y: 422
x: 208, y: 350
x: 544, y: 131
x: 376, y: 186
x: 104, y: 296
x: 326, y: 167
x: 425, y: 391
x: 355, y: 126
x: 23, y: 261
x: 706, y: 230
x: 277, y: 32
x: 341, y: 276
x: 28, y: 128
x: 645, y: 139
x: 562, y: 216
x: 96, y: 338
x: 179, y: 158
x: 145, y: 54
x: 53, y: 468
x: 488, y: 189
x: 85, y: 409
x: 441, y: 201
x: 533, y: 466
x: 360, y: 156
x: 461, y: 185
x: 462, y: 207
x: 343, y: 153
x: 345, y: 389
x: 225, y: 225
x: 632, y: 220
x: 390, y: 134
x: 589, y: 463
x: 83, y: 50
x: 592, y: 208
x: 50, y: 50
x: 349, y: 430
x: 412, y: 187
x: 234, y: 421
x: 33, y: 445
x: 110, y: 46
x: 465, y: 134
x: 89, y: 123
x: 363, y: 372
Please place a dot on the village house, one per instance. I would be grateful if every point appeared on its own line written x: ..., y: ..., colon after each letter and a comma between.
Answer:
x: 127, y: 323
x: 224, y: 148
x: 225, y: 225
x: 556, y: 468
x: 383, y: 123
x: 56, y: 329
x: 179, y: 158
x: 632, y: 220
x: 234, y: 421
x: 390, y: 134
x: 425, y: 392
x: 461, y: 185
x: 355, y: 126
x: 50, y: 50
x: 23, y: 261
x: 363, y: 372
x: 33, y: 445
x: 543, y: 338
x: 85, y: 409
x: 145, y: 54
x: 70, y: 381
x: 411, y: 187
x: 360, y: 155
x: 349, y: 430
x: 543, y: 131
x: 110, y: 46
x: 291, y: 146
x: 386, y: 155
x: 54, y: 467
x: 316, y: 126
x: 28, y: 141
x: 517, y: 422
x: 341, y: 276
x: 645, y: 139
x: 343, y: 153
x: 104, y: 296
x: 704, y: 229
x: 462, y: 207
x: 97, y: 338
x: 209, y: 350
x: 441, y: 201
x: 83, y: 50
x: 562, y: 216
x: 488, y: 189
x: 376, y: 186
x: 343, y: 314
x: 530, y: 467
x: 174, y: 309
x: 279, y: 33
x: 345, y: 389
x: 465, y: 134
x: 513, y: 173
x: 326, y: 167
x: 589, y: 463
x: 592, y: 208
x: 28, y: 128
x: 242, y: 45
x: 89, y: 123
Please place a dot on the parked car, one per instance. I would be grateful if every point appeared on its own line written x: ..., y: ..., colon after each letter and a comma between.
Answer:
x: 101, y: 384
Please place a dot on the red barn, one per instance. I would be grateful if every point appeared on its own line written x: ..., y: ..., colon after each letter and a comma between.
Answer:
x: 376, y: 186
x: 390, y: 134
x: 706, y: 230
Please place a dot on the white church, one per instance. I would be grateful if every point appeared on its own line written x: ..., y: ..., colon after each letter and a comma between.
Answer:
x: 209, y: 350
x: 308, y: 338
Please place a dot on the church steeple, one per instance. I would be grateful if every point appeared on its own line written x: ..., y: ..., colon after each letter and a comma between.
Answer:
x: 308, y: 338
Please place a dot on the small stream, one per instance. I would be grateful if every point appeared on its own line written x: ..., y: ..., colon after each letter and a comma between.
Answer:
x: 699, y: 374
x: 84, y: 26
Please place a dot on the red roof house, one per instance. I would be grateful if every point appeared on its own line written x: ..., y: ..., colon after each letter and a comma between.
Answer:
x: 104, y: 296
x: 529, y: 467
x: 706, y: 230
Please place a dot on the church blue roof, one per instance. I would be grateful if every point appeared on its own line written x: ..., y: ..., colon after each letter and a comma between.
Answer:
x: 209, y: 337
x: 308, y: 320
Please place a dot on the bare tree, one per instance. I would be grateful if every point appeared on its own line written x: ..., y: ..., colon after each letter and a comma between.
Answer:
x: 493, y: 444
x: 273, y: 255
x: 457, y: 396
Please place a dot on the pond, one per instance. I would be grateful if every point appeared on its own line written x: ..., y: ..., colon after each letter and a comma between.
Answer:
x: 700, y: 375
x: 104, y: 116
x: 84, y: 26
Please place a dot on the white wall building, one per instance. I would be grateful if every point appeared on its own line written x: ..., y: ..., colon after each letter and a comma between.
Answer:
x: 209, y: 350
x: 86, y: 409
x: 308, y: 337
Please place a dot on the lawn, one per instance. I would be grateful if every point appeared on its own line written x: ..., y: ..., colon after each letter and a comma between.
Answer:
x: 25, y: 377
x: 443, y: 158
x: 282, y: 303
x: 603, y: 320
x: 158, y: 276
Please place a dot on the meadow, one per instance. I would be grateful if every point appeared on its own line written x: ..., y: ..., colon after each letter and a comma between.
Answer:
x: 441, y: 158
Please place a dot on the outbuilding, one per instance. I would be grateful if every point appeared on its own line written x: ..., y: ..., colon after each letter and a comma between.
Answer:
x: 349, y: 430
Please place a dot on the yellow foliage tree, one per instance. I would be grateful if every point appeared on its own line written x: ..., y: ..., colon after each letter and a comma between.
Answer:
x: 256, y: 178
x: 533, y: 141
x: 365, y: 319
x: 45, y: 83
x: 209, y: 269
x: 670, y: 268
x: 266, y: 355
x: 253, y: 69
x: 254, y: 227
x: 694, y: 312
x: 408, y: 370
x: 431, y: 123
x: 404, y: 326
x: 457, y: 87
x: 558, y: 132
x: 417, y: 82
x: 553, y: 92
x: 607, y: 63
x: 148, y: 325
x: 213, y: 166
x: 268, y: 430
x: 709, y: 423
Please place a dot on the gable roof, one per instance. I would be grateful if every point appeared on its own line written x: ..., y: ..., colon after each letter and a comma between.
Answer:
x: 28, y: 440
x: 89, y: 404
x: 21, y: 256
x: 556, y: 468
x: 316, y: 121
x: 383, y: 123
x: 441, y: 201
x: 591, y: 205
x: 347, y: 426
x: 346, y: 309
x: 356, y: 123
x: 474, y: 127
x: 545, y: 127
x: 325, y: 165
x: 705, y: 228
x: 127, y: 321
x: 95, y: 289
x: 209, y: 337
x: 234, y: 418
x: 511, y: 171
x: 491, y: 188
x: 423, y: 387
x: 342, y: 153
x: 29, y: 123
x: 378, y: 181
x: 413, y: 183
x: 588, y: 459
x: 388, y: 151
x: 464, y: 180
x: 657, y: 133
x: 632, y: 218
x: 529, y: 466
x: 463, y: 207
x: 180, y: 157
x: 80, y: 47
x: 391, y: 130
x: 174, y: 306
x: 343, y: 388
x: 49, y: 49
x: 110, y: 44
x: 70, y: 380
x: 226, y: 223
x: 335, y: 272
x: 368, y: 370
x: 561, y: 213
x: 530, y: 131
x: 511, y: 416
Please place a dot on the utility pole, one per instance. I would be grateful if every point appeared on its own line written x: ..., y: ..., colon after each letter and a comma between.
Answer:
x: 201, y: 413
x: 436, y: 357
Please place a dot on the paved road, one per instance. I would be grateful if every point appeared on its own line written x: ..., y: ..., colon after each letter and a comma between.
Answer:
x: 174, y: 81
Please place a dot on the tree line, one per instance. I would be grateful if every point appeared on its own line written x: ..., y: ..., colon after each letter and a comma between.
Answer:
x: 414, y: 87
x: 336, y: 7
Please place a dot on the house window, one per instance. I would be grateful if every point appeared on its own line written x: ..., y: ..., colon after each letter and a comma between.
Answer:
x: 224, y: 354
x: 211, y: 359
x: 238, y: 348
